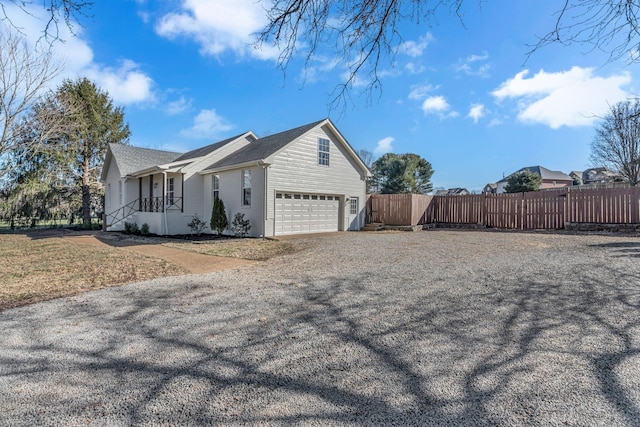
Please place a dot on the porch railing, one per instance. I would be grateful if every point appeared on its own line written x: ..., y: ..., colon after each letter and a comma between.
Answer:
x: 120, y: 214
x: 144, y: 204
x: 158, y: 204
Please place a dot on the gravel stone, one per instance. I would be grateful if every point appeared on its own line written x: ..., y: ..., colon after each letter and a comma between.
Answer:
x: 441, y: 327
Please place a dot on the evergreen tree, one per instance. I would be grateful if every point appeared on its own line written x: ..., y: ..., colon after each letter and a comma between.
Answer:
x: 93, y: 123
x: 523, y: 181
x: 402, y: 173
x: 219, y: 221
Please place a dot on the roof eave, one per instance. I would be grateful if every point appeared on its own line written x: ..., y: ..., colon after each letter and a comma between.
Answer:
x: 147, y: 171
x: 348, y: 147
x: 260, y: 162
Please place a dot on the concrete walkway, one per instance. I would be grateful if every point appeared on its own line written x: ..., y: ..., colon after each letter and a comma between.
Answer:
x: 194, y: 263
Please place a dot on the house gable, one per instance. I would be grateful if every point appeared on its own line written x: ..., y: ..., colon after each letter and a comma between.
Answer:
x: 130, y: 159
x: 265, y: 150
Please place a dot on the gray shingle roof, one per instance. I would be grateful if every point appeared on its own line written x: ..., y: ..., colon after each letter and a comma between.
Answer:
x: 545, y: 173
x: 203, y: 151
x: 262, y: 148
x: 131, y: 159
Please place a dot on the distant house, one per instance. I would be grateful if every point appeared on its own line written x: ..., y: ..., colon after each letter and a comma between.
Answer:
x: 303, y: 180
x: 550, y: 179
x: 489, y: 189
x: 453, y: 192
x: 600, y: 176
x: 577, y: 177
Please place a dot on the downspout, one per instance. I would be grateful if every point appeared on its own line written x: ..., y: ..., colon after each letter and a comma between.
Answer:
x: 164, y: 204
x: 266, y: 200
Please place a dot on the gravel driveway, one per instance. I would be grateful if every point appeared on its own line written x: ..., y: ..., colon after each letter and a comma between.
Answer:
x: 429, y: 328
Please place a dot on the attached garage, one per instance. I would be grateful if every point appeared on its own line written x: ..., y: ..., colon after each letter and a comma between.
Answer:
x: 297, y: 213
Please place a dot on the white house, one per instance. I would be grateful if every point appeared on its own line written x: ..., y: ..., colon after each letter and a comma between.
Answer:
x: 303, y: 180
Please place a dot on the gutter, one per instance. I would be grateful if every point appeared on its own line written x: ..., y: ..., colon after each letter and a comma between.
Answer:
x: 265, y: 167
x: 235, y: 166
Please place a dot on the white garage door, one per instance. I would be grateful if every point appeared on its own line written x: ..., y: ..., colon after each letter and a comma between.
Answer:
x: 306, y: 213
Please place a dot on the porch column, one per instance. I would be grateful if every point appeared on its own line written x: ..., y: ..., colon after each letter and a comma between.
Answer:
x: 164, y: 191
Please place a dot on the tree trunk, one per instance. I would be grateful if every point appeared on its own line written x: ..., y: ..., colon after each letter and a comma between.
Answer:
x: 86, y: 189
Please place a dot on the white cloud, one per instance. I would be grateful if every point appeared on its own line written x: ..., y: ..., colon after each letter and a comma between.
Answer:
x: 321, y: 66
x: 476, y: 112
x: 415, y: 49
x: 384, y: 145
x: 207, y: 124
x: 438, y: 105
x: 420, y: 92
x: 218, y: 26
x: 475, y: 58
x: 126, y: 85
x: 179, y: 106
x: 470, y: 65
x: 414, y: 68
x: 568, y: 98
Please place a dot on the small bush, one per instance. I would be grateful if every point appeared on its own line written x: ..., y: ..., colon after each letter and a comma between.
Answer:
x: 240, y: 226
x: 144, y: 230
x: 197, y: 225
x: 131, y: 228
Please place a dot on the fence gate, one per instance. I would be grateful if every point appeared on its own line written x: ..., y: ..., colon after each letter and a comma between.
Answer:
x: 544, y: 210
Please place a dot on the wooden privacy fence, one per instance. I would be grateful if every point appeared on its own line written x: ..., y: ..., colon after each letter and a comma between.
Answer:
x: 397, y: 209
x: 549, y: 209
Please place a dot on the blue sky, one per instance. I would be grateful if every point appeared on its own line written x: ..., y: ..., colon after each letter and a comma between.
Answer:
x: 468, y: 99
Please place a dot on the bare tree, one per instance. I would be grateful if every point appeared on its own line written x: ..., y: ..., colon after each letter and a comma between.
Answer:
x: 367, y: 157
x: 64, y: 12
x: 616, y: 145
x: 609, y: 26
x: 25, y: 72
x: 364, y: 34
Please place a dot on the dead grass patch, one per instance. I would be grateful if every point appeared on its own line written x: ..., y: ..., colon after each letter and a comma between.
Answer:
x: 251, y: 249
x: 38, y: 267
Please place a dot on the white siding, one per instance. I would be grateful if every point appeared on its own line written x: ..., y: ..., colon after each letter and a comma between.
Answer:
x: 231, y: 195
x: 193, y: 201
x: 128, y: 188
x: 296, y: 169
x: 113, y: 176
x: 217, y: 155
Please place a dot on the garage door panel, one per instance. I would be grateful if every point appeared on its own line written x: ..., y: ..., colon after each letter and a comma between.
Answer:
x: 303, y: 213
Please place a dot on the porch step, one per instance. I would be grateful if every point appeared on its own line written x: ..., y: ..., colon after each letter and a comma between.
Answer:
x: 376, y: 226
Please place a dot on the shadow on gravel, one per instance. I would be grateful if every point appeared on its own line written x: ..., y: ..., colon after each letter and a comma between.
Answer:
x: 555, y: 350
x: 630, y: 249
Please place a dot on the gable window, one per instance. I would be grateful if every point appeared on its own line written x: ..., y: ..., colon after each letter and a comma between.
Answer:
x: 323, y: 152
x: 170, y: 191
x: 246, y: 187
x: 215, y: 185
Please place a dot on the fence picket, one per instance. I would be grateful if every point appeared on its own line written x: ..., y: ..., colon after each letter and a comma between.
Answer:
x: 549, y: 209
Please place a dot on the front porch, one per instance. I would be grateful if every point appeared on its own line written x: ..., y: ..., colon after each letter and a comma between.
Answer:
x: 157, y: 193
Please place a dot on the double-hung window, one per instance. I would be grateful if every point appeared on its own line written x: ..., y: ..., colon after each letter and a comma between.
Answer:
x: 170, y: 191
x: 246, y: 187
x: 215, y: 185
x: 323, y: 152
